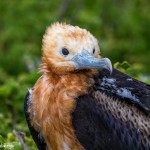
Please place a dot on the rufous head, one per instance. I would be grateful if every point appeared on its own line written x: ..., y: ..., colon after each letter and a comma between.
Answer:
x: 68, y: 48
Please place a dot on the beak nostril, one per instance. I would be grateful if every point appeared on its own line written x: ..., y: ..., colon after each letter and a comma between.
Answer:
x: 93, y: 50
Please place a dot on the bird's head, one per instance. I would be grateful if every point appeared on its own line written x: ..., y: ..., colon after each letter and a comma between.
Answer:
x: 68, y: 48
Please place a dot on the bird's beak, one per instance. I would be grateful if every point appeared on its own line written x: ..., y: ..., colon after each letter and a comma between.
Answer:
x: 85, y: 60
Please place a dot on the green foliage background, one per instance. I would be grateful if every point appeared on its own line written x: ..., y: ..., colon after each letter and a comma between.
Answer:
x: 122, y: 28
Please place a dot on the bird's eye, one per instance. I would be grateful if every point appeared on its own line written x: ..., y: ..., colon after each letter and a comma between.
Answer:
x: 65, y: 51
x: 93, y: 50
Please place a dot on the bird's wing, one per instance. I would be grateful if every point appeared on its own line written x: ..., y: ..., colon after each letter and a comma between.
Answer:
x: 114, y: 114
x: 124, y: 87
x: 39, y: 140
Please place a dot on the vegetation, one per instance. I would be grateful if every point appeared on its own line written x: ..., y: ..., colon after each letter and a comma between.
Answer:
x: 122, y: 28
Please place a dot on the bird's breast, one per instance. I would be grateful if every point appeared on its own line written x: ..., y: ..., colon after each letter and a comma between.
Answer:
x: 53, y: 101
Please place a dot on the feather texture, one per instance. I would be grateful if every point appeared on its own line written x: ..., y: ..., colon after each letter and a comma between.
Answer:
x: 74, y: 106
x: 104, y: 119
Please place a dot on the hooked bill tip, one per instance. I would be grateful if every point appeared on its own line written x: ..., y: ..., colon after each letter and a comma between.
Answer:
x: 109, y: 64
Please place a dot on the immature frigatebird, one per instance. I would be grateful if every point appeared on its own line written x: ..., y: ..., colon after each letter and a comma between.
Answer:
x: 76, y: 104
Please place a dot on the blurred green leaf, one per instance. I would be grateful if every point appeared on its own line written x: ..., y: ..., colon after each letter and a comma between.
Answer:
x: 2, y: 141
x: 122, y: 66
x: 4, y: 90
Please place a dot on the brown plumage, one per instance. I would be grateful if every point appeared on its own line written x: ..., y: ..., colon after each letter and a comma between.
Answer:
x: 53, y: 97
x: 76, y: 105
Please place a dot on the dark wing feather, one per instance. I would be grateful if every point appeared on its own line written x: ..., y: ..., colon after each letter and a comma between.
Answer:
x: 35, y: 135
x: 124, y: 87
x: 97, y: 128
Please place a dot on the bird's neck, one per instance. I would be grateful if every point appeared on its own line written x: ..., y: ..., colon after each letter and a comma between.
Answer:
x: 53, y: 101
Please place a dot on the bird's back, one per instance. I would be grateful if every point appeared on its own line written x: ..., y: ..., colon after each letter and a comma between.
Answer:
x: 114, y: 115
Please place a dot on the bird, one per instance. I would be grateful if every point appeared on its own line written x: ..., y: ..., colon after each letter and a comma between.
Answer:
x: 80, y: 102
